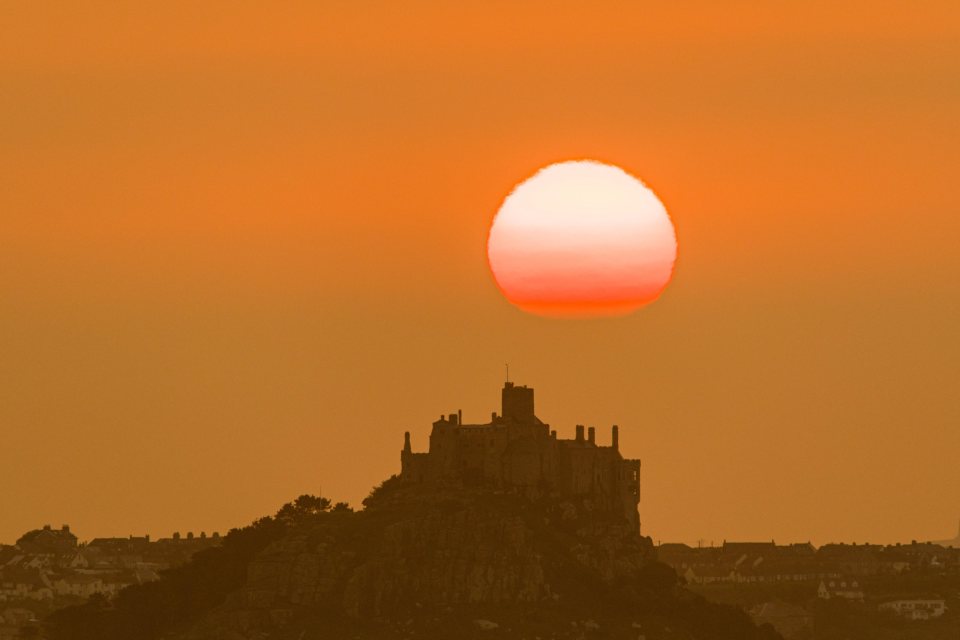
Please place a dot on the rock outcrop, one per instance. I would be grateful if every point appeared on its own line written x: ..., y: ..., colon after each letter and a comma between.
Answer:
x: 421, y: 560
x: 424, y: 561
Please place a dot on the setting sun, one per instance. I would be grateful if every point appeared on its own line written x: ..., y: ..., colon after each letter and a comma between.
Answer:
x: 582, y: 238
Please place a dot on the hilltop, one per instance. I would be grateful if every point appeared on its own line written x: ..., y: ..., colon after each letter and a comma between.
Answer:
x: 419, y: 560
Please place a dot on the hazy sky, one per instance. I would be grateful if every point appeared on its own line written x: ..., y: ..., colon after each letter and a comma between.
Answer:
x: 242, y: 249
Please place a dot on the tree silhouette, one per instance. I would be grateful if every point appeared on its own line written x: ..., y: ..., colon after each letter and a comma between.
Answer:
x: 302, y: 508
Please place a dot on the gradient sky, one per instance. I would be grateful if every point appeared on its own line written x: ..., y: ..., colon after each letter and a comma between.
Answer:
x: 242, y: 249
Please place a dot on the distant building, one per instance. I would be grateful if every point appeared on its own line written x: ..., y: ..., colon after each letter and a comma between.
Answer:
x: 746, y: 562
x: 845, y: 588
x: 48, y: 541
x: 517, y: 450
x: 708, y: 574
x: 916, y: 608
x: 23, y: 583
x: 78, y: 585
x: 852, y: 559
x: 733, y: 550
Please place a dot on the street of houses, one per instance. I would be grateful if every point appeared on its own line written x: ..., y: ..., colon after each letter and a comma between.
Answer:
x: 48, y: 568
x: 879, y: 578
x: 767, y: 562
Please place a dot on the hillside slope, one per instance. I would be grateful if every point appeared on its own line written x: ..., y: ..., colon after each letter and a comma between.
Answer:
x: 419, y: 561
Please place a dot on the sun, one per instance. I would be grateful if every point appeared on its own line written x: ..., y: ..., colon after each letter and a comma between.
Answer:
x: 582, y: 238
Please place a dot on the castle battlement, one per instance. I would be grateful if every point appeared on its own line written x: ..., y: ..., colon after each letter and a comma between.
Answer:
x: 518, y: 450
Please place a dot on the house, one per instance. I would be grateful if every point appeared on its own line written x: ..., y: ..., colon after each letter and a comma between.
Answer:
x: 19, y: 583
x: 786, y: 570
x: 709, y: 575
x: 78, y: 561
x: 48, y: 541
x: 798, y: 550
x: 851, y: 559
x: 847, y: 588
x: 115, y: 583
x: 924, y: 555
x: 894, y: 561
x: 734, y: 551
x: 77, y: 585
x: 916, y: 608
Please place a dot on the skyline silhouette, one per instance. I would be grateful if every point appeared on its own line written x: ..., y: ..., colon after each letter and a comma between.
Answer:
x: 242, y: 245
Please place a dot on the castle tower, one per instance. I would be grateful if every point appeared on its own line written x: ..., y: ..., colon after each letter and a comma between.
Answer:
x: 517, y: 403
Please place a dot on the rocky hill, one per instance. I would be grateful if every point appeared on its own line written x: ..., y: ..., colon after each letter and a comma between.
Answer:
x: 419, y: 561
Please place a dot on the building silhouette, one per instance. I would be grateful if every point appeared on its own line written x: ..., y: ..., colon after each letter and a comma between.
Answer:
x: 516, y: 450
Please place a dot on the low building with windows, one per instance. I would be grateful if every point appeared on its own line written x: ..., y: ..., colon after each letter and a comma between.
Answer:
x: 845, y: 588
x: 916, y: 608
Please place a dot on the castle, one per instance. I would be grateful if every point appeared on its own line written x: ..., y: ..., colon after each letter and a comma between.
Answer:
x: 517, y: 450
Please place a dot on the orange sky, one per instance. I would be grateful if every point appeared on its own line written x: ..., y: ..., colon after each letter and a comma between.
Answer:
x: 243, y: 249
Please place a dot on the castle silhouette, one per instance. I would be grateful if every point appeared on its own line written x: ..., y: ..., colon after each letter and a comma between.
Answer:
x: 516, y: 450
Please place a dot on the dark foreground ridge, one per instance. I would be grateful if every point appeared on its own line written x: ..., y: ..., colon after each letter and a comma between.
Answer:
x: 421, y: 560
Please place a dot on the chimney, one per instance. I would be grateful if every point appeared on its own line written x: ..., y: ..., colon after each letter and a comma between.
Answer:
x: 615, y: 438
x: 592, y: 435
x: 459, y: 416
x: 65, y: 528
x: 553, y: 434
x: 452, y: 418
x: 406, y: 441
x: 579, y: 433
x: 46, y: 527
